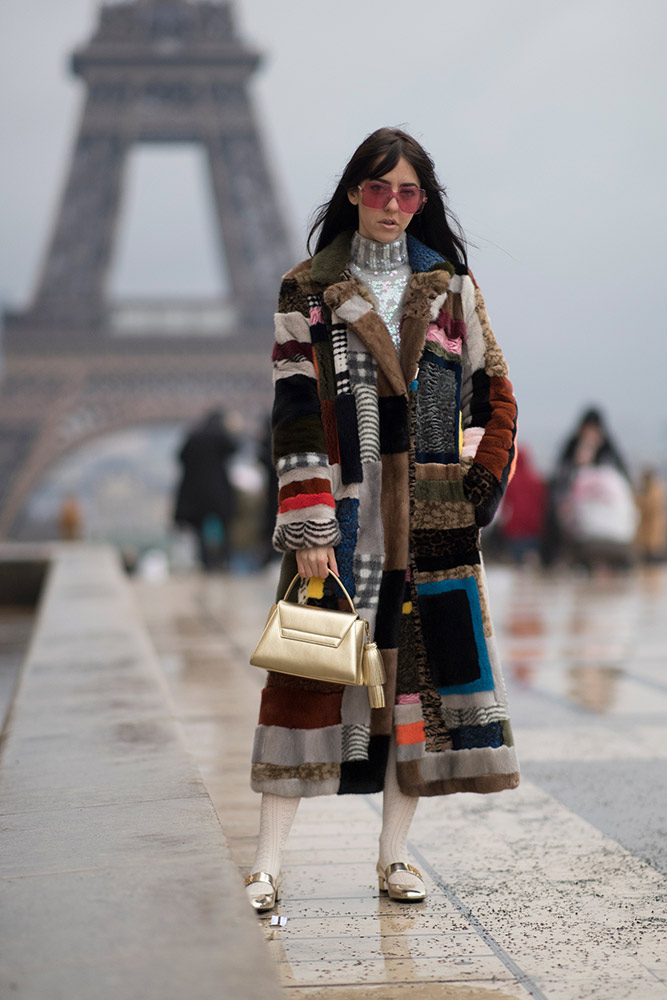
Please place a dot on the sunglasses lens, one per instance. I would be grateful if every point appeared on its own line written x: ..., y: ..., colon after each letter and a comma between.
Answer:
x: 378, y: 194
x: 375, y: 194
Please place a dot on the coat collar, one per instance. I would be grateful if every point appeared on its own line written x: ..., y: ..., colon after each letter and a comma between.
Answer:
x: 429, y: 281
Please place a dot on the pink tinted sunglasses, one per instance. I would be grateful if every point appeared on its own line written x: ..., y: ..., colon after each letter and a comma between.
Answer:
x: 378, y: 194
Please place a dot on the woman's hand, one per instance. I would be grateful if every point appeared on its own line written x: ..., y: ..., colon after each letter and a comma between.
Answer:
x: 316, y: 561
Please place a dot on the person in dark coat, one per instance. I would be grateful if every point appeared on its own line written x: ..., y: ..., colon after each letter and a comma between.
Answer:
x: 270, y: 506
x: 205, y: 498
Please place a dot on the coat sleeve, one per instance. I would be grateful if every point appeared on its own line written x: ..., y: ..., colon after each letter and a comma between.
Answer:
x: 488, y: 407
x: 306, y: 507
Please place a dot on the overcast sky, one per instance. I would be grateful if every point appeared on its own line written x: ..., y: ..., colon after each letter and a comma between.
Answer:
x: 546, y: 122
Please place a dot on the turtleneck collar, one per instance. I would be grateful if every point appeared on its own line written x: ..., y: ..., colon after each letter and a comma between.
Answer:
x: 380, y: 258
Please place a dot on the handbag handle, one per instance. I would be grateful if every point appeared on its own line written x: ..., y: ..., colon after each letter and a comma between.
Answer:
x: 338, y: 581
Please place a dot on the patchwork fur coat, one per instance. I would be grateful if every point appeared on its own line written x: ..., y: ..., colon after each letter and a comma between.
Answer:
x: 397, y: 459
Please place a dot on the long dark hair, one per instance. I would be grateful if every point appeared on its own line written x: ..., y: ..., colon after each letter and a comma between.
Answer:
x: 379, y: 153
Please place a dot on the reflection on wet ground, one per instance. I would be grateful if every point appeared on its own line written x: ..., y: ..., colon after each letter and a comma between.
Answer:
x: 552, y: 891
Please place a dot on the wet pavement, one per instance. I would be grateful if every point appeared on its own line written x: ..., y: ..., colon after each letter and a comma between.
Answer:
x: 116, y: 881
x: 556, y: 890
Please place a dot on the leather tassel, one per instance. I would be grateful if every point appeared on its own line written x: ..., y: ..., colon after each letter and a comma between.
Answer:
x: 373, y: 674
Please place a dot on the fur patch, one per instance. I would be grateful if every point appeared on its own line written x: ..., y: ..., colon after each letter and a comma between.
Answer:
x: 437, y: 404
x: 301, y: 460
x: 494, y: 361
x: 302, y: 434
x: 483, y: 491
x: 341, y: 489
x: 471, y: 438
x: 352, y: 309
x: 439, y: 490
x: 292, y: 747
x: 394, y: 427
x: 304, y: 533
x: 311, y: 709
x: 392, y: 591
x: 355, y: 742
x: 445, y: 550
x: 366, y: 775
x: 291, y: 327
x: 368, y: 578
x: 348, y: 438
x: 442, y: 515
x: 330, y: 429
x: 347, y: 514
x: 303, y: 772
x: 370, y: 540
x: 294, y: 397
x: 291, y: 298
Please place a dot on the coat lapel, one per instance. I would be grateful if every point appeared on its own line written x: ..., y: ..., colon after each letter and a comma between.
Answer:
x: 353, y: 303
x: 424, y: 296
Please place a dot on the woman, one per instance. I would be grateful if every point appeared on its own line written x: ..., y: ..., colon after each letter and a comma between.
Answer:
x: 393, y: 438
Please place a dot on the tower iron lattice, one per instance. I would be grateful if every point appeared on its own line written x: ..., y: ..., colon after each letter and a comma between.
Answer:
x: 76, y: 365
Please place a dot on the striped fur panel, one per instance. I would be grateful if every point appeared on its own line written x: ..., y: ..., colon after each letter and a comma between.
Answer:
x: 305, y: 534
x: 453, y: 718
x: 355, y: 742
x: 292, y: 350
x: 339, y: 346
x: 306, y: 512
x: 363, y: 381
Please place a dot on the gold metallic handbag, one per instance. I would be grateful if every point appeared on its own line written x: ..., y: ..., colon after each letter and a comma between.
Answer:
x: 321, y: 644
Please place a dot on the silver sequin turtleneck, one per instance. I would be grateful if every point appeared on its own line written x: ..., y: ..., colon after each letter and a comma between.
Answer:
x: 385, y: 270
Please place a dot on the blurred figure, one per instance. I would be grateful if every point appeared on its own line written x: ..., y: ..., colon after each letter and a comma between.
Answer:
x: 70, y: 519
x: 652, y: 530
x: 205, y: 498
x: 522, y: 512
x: 590, y: 444
x: 594, y: 502
x: 270, y: 507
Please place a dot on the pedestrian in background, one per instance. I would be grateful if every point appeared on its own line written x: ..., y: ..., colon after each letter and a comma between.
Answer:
x: 269, y: 508
x: 393, y: 438
x: 70, y: 519
x: 523, y: 508
x: 651, y: 538
x: 594, y: 498
x: 205, y: 497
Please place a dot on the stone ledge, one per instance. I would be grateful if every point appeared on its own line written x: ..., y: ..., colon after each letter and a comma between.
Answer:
x: 117, y: 881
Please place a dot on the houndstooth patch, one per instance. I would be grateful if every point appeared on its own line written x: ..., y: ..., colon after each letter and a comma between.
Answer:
x: 367, y: 577
x: 301, y: 460
x: 363, y: 368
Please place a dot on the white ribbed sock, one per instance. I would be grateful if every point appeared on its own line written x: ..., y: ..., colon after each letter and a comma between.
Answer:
x: 397, y: 812
x: 275, y: 821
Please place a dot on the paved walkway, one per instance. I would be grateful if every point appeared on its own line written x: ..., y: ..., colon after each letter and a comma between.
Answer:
x: 116, y: 881
x: 556, y: 890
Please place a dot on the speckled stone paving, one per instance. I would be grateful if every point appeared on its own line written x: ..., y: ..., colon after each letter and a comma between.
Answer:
x: 556, y: 890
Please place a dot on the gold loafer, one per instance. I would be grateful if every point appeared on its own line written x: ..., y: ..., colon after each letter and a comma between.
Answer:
x: 269, y: 898
x: 404, y: 893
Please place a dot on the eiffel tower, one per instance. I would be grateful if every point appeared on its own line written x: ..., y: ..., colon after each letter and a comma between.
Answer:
x: 75, y: 366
